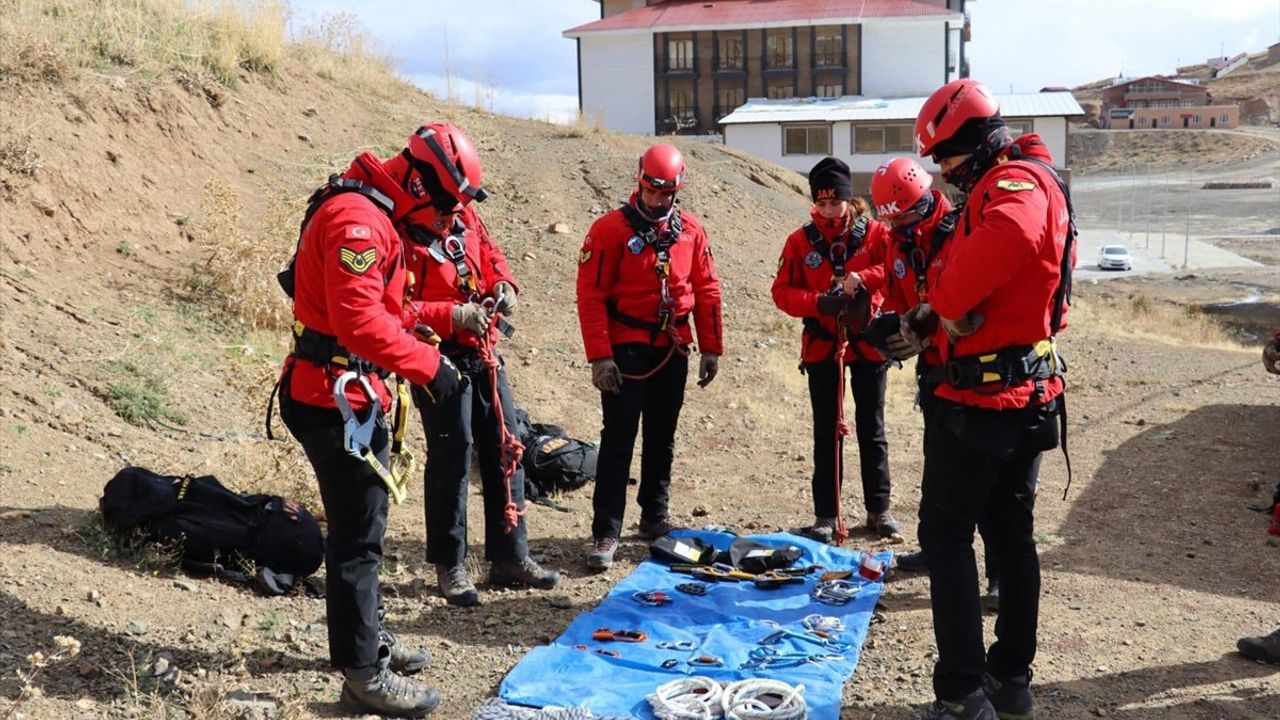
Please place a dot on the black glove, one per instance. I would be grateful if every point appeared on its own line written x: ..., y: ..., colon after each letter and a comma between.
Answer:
x: 606, y: 376
x: 834, y: 304
x: 446, y: 382
x: 708, y: 368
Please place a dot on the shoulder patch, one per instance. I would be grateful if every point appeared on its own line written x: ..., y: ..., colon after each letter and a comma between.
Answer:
x: 359, y: 232
x: 583, y: 257
x: 1015, y: 185
x: 357, y: 262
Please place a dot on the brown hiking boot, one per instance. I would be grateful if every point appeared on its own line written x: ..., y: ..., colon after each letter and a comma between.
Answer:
x: 883, y: 524
x: 602, y: 551
x: 405, y: 659
x: 456, y: 585
x: 1263, y: 649
x: 654, y: 529
x: 517, y: 573
x: 823, y: 530
x: 379, y: 691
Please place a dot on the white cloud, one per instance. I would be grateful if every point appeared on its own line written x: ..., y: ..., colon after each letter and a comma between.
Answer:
x: 551, y: 107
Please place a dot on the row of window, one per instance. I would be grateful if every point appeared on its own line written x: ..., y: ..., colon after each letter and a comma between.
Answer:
x: 867, y: 139
x: 779, y: 51
x: 728, y: 97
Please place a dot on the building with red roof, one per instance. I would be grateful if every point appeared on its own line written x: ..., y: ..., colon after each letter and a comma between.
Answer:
x: 679, y: 66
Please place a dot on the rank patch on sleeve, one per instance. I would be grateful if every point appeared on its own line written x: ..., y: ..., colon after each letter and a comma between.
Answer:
x: 583, y: 257
x: 1014, y: 185
x: 357, y: 262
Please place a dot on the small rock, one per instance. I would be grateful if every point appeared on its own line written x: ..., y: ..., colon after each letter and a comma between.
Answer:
x: 60, y: 610
x: 15, y: 514
x: 1100, y: 712
x: 230, y: 617
x: 304, y: 137
x: 561, y: 602
x: 87, y: 671
x: 1141, y: 422
x: 309, y: 112
x: 700, y: 511
x: 184, y: 585
x: 559, y: 228
x: 160, y: 666
x: 492, y: 621
x: 86, y: 703
x: 135, y: 627
x: 1103, y: 668
x: 528, y: 256
x: 1140, y: 623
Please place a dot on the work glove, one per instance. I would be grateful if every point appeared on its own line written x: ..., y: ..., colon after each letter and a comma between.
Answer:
x: 471, y: 316
x: 445, y: 383
x: 918, y: 325
x: 504, y: 294
x: 960, y: 327
x: 1271, y: 357
x: 707, y: 368
x: 606, y: 376
x: 834, y: 304
x: 426, y: 334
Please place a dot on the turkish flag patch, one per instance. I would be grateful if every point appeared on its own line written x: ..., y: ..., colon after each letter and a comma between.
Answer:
x: 358, y: 232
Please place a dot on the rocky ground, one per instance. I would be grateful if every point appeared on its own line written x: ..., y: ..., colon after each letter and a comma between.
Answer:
x: 116, y: 190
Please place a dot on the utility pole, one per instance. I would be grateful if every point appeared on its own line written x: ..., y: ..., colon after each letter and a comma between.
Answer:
x: 1164, y: 217
x: 1148, y: 212
x: 1186, y: 241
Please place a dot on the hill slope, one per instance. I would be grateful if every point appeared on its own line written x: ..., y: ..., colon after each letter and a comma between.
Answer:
x: 137, y: 207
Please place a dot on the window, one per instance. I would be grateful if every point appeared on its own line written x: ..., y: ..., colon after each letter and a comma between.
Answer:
x: 1164, y: 120
x: 882, y: 138
x: 680, y: 103
x: 1223, y: 118
x: 830, y: 90
x: 1018, y: 127
x: 729, y: 99
x: 806, y: 140
x: 679, y: 55
x: 828, y: 48
x: 779, y: 50
x: 730, y: 55
x: 1197, y: 119
x: 781, y: 91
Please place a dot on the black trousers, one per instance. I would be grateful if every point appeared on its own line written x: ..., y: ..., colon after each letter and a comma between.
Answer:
x: 659, y: 400
x: 982, y: 463
x: 867, y: 382
x: 355, y: 504
x: 928, y: 404
x: 466, y: 420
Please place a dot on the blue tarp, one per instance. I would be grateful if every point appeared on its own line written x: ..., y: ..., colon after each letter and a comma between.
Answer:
x: 727, y: 623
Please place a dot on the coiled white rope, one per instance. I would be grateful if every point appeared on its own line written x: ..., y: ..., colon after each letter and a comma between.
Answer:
x: 693, y: 698
x: 741, y: 701
x: 498, y: 709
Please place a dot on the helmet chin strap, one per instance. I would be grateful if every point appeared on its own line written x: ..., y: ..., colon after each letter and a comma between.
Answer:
x: 649, y: 215
x: 965, y: 175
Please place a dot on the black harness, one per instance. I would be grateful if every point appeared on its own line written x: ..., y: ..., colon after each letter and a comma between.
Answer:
x: 919, y: 258
x: 838, y: 252
x: 661, y: 243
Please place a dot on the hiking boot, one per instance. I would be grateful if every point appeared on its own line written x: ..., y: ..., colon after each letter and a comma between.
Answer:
x: 456, y: 585
x: 653, y: 529
x: 991, y: 601
x: 1263, y: 649
x: 911, y: 562
x: 379, y: 691
x: 823, y: 530
x: 883, y: 524
x: 601, y: 555
x: 974, y: 706
x: 405, y: 659
x: 1011, y: 697
x: 514, y: 573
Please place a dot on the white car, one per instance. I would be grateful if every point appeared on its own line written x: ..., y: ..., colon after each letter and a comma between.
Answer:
x: 1114, y: 257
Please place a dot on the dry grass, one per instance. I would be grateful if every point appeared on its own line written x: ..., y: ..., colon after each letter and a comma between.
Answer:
x: 337, y: 48
x: 18, y: 157
x: 1140, y: 317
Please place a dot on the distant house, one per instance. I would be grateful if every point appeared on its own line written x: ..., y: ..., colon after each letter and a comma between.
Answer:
x: 1160, y: 102
x: 1226, y: 65
x: 866, y: 131
x: 679, y: 66
x: 1273, y: 53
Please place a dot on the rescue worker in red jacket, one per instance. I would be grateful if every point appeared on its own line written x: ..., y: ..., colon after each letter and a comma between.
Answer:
x: 461, y: 279
x: 997, y: 297
x: 644, y: 270
x: 922, y: 219
x: 840, y: 241
x: 348, y: 286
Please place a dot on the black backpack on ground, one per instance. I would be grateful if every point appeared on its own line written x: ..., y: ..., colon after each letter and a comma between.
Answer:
x: 554, y: 462
x: 217, y: 531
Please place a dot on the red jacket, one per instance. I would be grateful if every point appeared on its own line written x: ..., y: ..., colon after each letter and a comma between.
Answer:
x: 901, y: 280
x: 350, y: 283
x: 616, y: 272
x: 1003, y: 262
x: 804, y: 274
x: 435, y: 289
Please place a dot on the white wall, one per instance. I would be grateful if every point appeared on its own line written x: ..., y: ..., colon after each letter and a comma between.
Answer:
x: 953, y: 47
x: 764, y: 140
x: 1053, y: 131
x: 902, y: 58
x: 617, y: 80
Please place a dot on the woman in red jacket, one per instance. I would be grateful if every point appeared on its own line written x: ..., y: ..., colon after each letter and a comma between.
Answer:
x: 840, y: 241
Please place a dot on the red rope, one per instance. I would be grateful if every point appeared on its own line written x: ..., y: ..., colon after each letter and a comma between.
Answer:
x: 842, y: 429
x: 510, y: 447
x: 675, y: 345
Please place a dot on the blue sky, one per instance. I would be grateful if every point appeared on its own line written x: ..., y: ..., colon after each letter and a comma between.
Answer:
x: 509, y: 54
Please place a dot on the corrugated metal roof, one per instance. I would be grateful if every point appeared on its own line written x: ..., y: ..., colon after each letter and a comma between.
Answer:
x: 857, y: 108
x: 690, y: 14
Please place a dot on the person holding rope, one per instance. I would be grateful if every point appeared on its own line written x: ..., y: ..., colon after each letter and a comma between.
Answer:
x: 348, y: 282
x: 840, y: 242
x: 644, y: 270
x: 998, y: 295
x: 461, y: 292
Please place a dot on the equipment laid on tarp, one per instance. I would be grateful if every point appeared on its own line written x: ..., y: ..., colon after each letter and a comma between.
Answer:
x: 610, y: 659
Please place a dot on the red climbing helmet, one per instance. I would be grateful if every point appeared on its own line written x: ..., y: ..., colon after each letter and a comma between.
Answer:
x: 946, y: 113
x: 898, y: 185
x: 445, y: 158
x: 661, y: 168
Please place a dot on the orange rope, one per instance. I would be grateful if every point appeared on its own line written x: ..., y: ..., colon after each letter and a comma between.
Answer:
x: 510, y: 447
x: 675, y: 345
x: 842, y: 428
